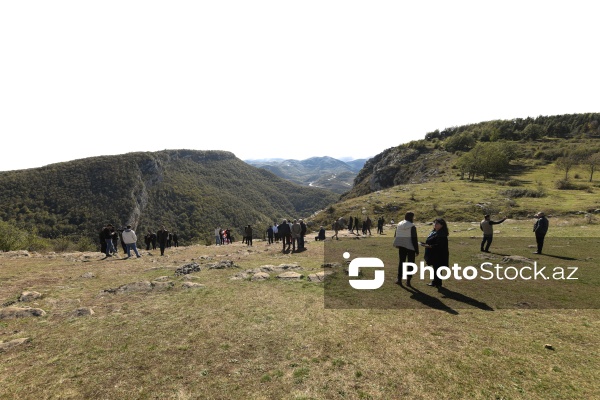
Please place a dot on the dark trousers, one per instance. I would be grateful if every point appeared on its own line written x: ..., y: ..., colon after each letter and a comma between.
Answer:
x: 436, y: 280
x: 539, y: 238
x: 486, y: 239
x: 405, y: 255
x: 286, y: 240
x: 162, y: 248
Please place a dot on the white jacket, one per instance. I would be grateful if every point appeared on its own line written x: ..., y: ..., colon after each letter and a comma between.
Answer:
x: 129, y: 236
x: 403, y: 235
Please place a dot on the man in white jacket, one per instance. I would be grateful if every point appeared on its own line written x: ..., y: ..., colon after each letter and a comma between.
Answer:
x: 130, y: 239
x: 407, y: 243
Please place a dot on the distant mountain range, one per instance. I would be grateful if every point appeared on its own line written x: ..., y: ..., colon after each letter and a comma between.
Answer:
x: 321, y: 172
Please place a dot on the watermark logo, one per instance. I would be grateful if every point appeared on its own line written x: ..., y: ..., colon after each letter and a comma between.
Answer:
x: 365, y: 262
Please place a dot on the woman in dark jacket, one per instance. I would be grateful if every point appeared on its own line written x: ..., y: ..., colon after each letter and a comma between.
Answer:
x: 436, y: 249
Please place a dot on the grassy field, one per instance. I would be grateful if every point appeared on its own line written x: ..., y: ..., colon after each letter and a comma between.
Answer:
x: 275, y: 339
x: 455, y: 199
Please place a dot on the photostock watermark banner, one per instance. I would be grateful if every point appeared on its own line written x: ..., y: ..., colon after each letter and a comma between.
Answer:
x: 364, y: 272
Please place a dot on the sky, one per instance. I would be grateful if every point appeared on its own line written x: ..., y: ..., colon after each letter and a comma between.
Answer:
x: 281, y: 79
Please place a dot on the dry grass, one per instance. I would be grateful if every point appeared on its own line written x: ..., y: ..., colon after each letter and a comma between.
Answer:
x: 274, y: 339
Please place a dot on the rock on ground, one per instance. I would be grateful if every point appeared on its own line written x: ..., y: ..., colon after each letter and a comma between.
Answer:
x: 29, y: 296
x: 83, y: 312
x: 20, y: 312
x: 193, y: 285
x: 12, y: 343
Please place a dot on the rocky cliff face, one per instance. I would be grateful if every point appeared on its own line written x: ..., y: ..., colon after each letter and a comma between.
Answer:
x: 397, y: 166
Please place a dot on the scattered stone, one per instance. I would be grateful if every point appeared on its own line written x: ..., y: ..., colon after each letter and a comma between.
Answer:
x: 242, y: 276
x: 290, y: 276
x: 517, y: 259
x: 189, y: 278
x: 193, y: 285
x: 88, y: 275
x: 29, y: 296
x: 162, y: 279
x: 331, y: 265
x: 162, y: 285
x: 549, y: 347
x: 319, y: 276
x: 83, y: 312
x: 13, y: 343
x: 142, y: 286
x: 223, y: 265
x: 18, y: 253
x: 260, y: 276
x: 187, y: 269
x: 21, y: 312
x: 9, y: 303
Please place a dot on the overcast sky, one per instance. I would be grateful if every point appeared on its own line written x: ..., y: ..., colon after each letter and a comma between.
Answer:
x: 281, y: 78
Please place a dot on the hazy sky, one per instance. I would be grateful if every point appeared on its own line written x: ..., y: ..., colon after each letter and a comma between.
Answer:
x: 281, y: 78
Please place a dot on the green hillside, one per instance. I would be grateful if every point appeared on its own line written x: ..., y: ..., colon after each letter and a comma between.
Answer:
x: 191, y: 192
x: 508, y: 168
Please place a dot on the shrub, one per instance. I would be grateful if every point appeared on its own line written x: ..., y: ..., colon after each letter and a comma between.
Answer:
x: 522, y: 192
x: 565, y: 184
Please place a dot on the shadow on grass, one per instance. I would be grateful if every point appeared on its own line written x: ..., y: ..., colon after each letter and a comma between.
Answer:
x: 428, y: 300
x: 449, y: 294
x: 559, y: 257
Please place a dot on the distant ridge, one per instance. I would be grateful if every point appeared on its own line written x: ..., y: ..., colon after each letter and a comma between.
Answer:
x: 190, y: 191
x: 322, y: 172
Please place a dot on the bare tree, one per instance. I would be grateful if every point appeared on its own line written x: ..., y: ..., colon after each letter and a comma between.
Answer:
x: 565, y: 164
x: 592, y: 162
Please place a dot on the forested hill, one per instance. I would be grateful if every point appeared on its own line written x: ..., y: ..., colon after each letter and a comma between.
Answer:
x: 191, y: 192
x: 484, y: 149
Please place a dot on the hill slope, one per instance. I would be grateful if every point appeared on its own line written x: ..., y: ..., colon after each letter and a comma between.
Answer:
x: 188, y: 191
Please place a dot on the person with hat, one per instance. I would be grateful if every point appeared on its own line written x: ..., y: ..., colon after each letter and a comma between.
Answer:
x: 488, y: 232
x: 540, y: 228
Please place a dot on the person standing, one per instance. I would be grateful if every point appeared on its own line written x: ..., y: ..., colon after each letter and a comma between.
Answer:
x: 540, y: 228
x: 488, y: 232
x: 270, y: 235
x: 129, y: 238
x: 218, y: 233
x: 148, y: 240
x: 285, y: 233
x: 296, y: 231
x: 436, y: 249
x: 153, y: 238
x: 108, y: 233
x: 276, y: 232
x: 248, y: 231
x: 162, y: 236
x: 302, y: 234
x: 350, y: 224
x: 407, y: 242
x: 175, y: 239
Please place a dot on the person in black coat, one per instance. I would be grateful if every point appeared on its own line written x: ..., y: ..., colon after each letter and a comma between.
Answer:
x: 436, y: 249
x: 162, y: 236
x: 286, y: 234
x: 540, y: 228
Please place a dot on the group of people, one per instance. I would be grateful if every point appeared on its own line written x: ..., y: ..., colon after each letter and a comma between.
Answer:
x: 354, y: 223
x: 151, y: 239
x: 109, y: 239
x: 110, y: 236
x: 436, y: 245
x: 223, y: 236
x: 291, y: 234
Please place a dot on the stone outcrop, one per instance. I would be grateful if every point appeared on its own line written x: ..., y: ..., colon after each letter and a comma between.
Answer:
x: 21, y: 312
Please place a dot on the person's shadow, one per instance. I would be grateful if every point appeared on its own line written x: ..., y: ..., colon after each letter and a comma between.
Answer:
x: 428, y: 300
x: 559, y: 257
x: 449, y: 294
